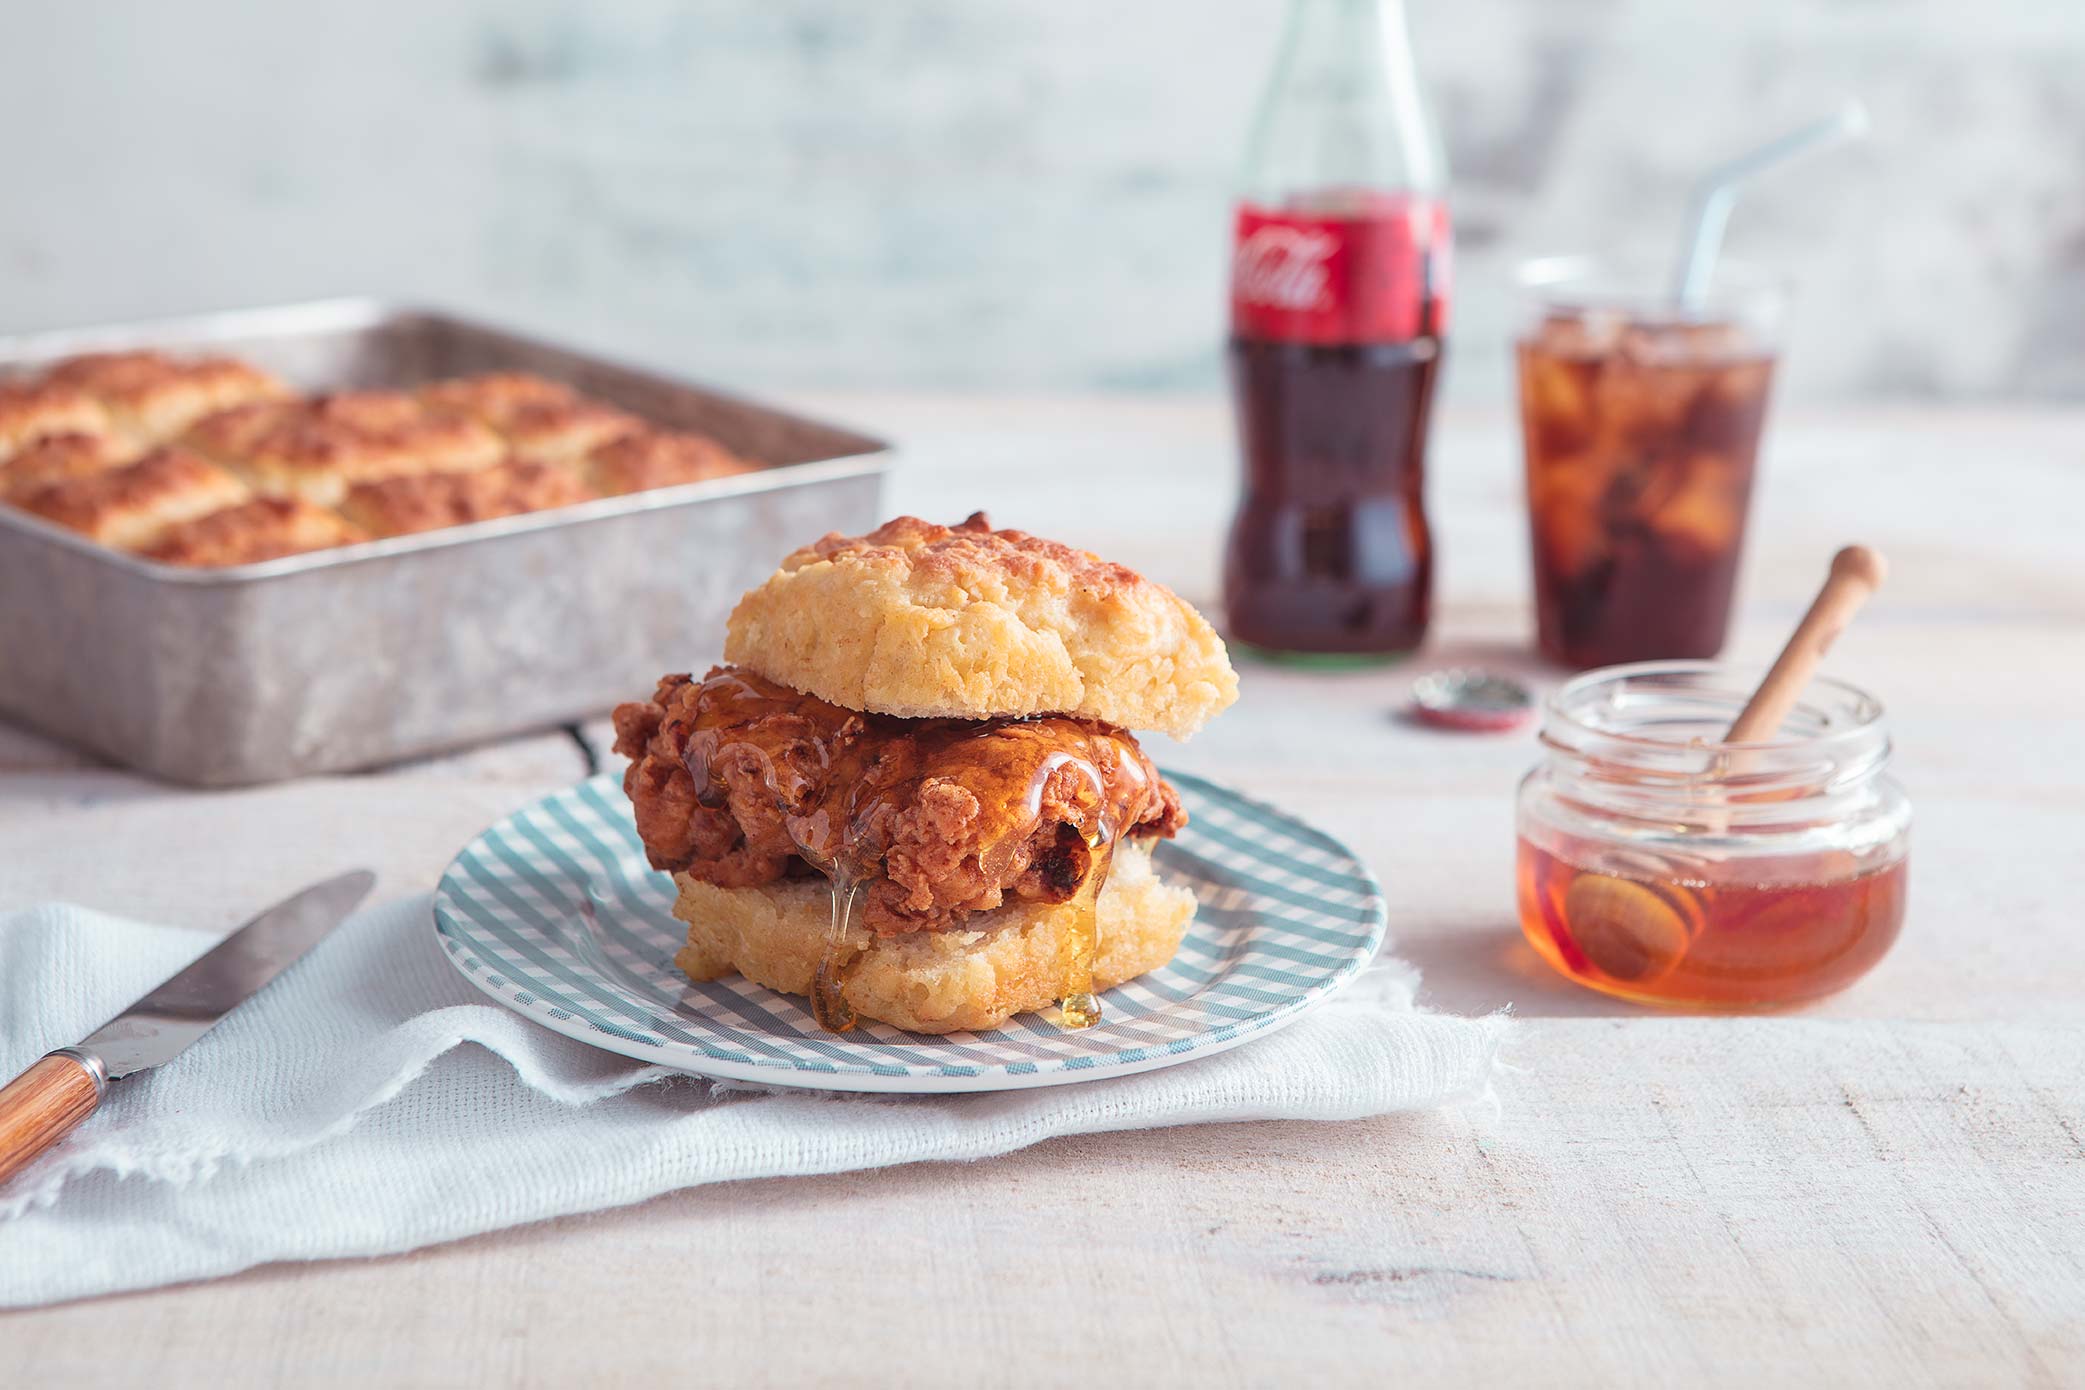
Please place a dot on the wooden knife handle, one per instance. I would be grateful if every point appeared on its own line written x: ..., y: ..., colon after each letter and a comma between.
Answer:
x: 41, y: 1106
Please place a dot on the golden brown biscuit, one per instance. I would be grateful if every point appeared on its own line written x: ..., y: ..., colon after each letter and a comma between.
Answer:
x: 497, y: 396
x: 940, y: 981
x: 923, y: 621
x: 639, y: 462
x: 30, y: 411
x: 151, y: 397
x: 393, y: 423
x: 228, y: 435
x: 129, y: 507
x: 443, y: 443
x: 57, y: 457
x: 119, y: 372
x: 266, y: 528
x: 318, y: 462
x: 566, y: 433
x: 398, y: 506
x: 317, y: 449
x: 540, y: 420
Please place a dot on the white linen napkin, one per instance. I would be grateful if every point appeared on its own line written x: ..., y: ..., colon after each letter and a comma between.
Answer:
x: 338, y: 1112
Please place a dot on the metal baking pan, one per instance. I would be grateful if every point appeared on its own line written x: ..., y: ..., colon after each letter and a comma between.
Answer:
x: 371, y: 653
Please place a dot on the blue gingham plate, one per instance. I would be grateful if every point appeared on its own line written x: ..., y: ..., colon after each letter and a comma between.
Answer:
x: 554, y: 913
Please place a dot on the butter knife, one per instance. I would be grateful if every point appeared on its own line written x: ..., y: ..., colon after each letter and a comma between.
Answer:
x: 44, y: 1103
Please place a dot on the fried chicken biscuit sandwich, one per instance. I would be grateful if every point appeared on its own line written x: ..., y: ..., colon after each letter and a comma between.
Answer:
x: 912, y: 795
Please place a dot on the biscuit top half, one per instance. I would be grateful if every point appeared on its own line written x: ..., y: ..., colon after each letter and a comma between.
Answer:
x: 964, y: 622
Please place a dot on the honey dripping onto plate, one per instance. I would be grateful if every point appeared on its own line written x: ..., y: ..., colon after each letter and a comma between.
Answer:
x: 829, y: 986
x: 1080, y: 1006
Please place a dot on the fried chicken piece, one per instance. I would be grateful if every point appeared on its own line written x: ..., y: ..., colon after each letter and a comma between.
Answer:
x: 741, y: 782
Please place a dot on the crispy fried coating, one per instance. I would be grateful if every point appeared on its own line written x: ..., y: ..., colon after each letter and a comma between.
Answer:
x: 266, y: 528
x: 741, y: 782
x: 429, y: 501
x: 966, y: 622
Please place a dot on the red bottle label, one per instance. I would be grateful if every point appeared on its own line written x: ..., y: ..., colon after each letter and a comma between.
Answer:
x: 1374, y: 270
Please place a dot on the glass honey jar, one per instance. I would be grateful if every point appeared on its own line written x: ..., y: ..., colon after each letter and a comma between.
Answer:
x: 1663, y: 865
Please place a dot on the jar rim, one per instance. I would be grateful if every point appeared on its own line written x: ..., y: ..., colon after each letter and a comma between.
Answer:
x: 1871, y: 709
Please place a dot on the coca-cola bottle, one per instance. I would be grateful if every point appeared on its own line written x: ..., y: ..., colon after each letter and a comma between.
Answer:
x: 1339, y: 307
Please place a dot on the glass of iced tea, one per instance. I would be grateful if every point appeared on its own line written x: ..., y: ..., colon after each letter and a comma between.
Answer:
x: 1661, y: 864
x: 1641, y: 422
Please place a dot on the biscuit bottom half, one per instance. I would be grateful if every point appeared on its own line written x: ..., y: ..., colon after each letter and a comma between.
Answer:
x: 933, y: 981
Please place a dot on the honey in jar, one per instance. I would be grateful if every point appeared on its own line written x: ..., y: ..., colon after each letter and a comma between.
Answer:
x: 1662, y: 865
x: 1676, y: 940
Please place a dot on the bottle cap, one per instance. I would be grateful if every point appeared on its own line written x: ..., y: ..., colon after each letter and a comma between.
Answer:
x: 1463, y: 698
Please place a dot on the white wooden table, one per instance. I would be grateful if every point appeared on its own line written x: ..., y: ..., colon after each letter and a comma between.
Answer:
x: 1886, y: 1188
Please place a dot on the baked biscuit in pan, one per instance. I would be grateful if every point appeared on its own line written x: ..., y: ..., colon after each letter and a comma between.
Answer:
x: 639, y: 462
x: 231, y: 434
x: 496, y: 397
x: 302, y: 457
x: 34, y: 410
x: 129, y: 507
x: 396, y: 423
x: 403, y: 455
x: 430, y: 501
x: 57, y: 457
x: 151, y: 397
x: 567, y: 433
x: 540, y: 420
x: 319, y: 448
x: 433, y: 441
x: 266, y: 528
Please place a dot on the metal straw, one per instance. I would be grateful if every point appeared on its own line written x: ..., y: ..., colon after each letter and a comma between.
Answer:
x: 1714, y: 196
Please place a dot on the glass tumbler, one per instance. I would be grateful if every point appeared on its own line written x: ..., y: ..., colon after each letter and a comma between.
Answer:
x: 1641, y: 423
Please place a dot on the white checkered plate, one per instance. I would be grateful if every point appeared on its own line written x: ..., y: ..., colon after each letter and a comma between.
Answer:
x: 554, y: 913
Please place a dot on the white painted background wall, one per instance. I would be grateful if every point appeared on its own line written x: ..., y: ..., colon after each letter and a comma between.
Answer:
x: 1011, y: 193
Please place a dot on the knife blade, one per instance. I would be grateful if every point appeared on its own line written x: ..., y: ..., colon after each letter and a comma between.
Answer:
x: 45, y: 1102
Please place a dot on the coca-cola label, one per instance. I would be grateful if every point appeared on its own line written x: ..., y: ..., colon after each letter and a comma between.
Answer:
x: 1377, y: 274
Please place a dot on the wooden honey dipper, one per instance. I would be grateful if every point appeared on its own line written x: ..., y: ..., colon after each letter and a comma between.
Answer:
x: 1857, y: 572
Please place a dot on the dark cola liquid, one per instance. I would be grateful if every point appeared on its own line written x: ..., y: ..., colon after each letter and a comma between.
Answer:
x: 1329, y: 553
x: 1640, y: 457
